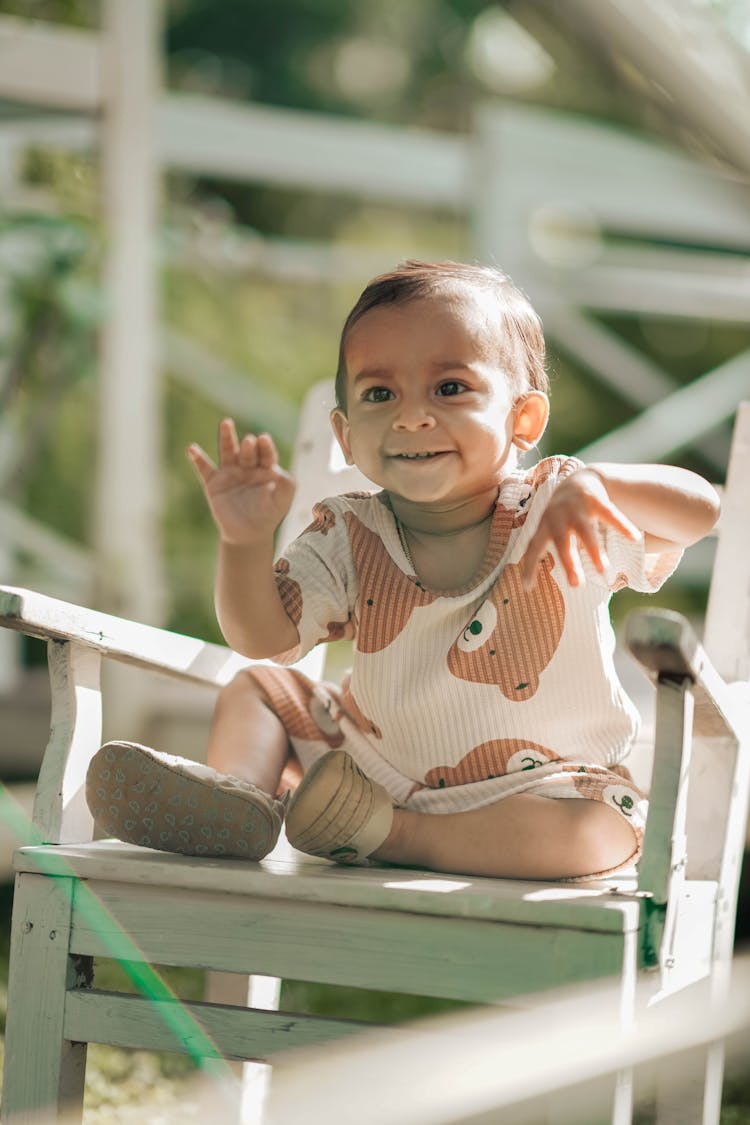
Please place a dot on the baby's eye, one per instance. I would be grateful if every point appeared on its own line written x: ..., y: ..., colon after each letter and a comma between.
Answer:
x: 377, y: 394
x: 451, y: 387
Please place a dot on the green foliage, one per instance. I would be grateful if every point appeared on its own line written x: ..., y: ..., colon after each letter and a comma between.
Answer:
x: 48, y: 358
x: 362, y: 1004
x: 75, y: 13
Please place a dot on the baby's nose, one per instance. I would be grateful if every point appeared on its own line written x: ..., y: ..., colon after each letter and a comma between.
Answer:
x: 414, y: 416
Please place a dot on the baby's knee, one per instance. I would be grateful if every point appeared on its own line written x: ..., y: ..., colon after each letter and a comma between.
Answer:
x: 244, y: 685
x: 604, y: 839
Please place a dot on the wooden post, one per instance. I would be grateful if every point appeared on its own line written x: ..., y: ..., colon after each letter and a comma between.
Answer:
x: 44, y: 1072
x: 496, y: 235
x: 60, y: 810
x: 10, y: 643
x: 128, y: 498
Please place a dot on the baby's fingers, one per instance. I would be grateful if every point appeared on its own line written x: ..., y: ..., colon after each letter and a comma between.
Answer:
x: 535, y: 551
x: 228, y: 442
x: 248, y: 452
x: 611, y: 515
x: 570, y: 559
x: 258, y: 452
x: 267, y: 455
x: 202, y: 463
x: 589, y: 541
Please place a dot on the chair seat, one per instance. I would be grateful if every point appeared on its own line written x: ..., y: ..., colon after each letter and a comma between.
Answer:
x: 611, y: 905
x: 300, y: 918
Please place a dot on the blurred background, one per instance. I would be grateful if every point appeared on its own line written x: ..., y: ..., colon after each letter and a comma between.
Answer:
x: 194, y: 192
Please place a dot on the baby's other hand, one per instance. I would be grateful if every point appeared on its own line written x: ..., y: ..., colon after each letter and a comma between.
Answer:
x: 248, y: 492
x: 569, y: 523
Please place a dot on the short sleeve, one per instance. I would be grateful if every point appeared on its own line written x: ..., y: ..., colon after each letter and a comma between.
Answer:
x: 631, y: 565
x: 317, y: 582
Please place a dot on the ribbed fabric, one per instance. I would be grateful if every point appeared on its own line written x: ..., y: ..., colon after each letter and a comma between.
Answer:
x: 459, y: 698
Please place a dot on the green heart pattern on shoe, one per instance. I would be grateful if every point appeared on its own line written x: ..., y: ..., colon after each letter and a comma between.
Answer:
x: 121, y: 773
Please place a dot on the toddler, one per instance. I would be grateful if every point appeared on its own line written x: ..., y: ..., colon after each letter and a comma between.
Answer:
x: 482, y: 729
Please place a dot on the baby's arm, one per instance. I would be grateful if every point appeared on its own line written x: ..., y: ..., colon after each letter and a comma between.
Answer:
x: 248, y: 494
x: 670, y: 507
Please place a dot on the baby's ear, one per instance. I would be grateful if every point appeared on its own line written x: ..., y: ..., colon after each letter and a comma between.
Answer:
x: 340, y: 424
x: 530, y: 419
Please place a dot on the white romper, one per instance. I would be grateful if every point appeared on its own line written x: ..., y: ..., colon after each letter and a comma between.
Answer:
x: 457, y: 699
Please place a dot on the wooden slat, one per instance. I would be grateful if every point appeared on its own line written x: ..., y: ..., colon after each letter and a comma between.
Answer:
x: 596, y: 905
x: 641, y: 187
x: 40, y: 1066
x: 679, y: 418
x: 710, y: 97
x: 455, y: 958
x: 27, y: 534
x: 664, y: 282
x: 664, y: 846
x: 665, y: 643
x: 61, y: 814
x: 46, y: 64
x: 629, y: 372
x: 213, y: 136
x: 193, y: 1028
x: 142, y: 645
x: 727, y: 634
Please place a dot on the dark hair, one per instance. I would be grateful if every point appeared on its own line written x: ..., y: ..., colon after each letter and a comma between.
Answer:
x: 522, y: 342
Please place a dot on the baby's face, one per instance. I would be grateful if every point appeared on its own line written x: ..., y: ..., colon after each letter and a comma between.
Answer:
x: 430, y: 411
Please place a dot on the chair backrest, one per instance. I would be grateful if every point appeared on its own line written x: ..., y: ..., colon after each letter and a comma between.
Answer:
x: 717, y: 793
x: 318, y: 465
x: 727, y: 630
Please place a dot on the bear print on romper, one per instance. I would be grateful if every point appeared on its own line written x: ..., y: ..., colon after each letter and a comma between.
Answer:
x: 308, y: 710
x: 514, y: 634
x: 289, y: 591
x: 324, y: 518
x: 350, y: 706
x: 491, y: 759
x: 387, y: 596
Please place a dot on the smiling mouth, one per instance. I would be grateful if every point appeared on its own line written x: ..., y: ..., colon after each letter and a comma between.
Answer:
x: 418, y: 456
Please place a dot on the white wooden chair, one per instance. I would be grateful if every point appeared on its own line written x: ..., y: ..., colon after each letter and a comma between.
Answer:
x: 473, y: 939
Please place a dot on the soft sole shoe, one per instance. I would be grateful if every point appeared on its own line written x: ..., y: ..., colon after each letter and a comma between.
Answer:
x: 338, y: 811
x: 156, y: 800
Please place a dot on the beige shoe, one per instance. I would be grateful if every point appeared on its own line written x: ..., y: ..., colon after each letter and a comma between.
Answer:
x: 338, y: 812
x: 159, y: 801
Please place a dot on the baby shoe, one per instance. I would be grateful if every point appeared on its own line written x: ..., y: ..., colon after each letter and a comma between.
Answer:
x: 156, y: 800
x: 338, y: 811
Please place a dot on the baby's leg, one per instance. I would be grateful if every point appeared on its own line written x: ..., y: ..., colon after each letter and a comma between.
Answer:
x: 342, y: 814
x: 247, y: 738
x: 521, y: 837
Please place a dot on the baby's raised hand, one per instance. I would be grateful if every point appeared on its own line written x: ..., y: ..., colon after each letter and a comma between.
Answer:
x: 569, y: 523
x: 248, y: 492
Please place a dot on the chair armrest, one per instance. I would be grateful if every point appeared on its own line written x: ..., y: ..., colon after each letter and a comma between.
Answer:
x: 666, y: 645
x: 83, y: 637
x: 174, y: 654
